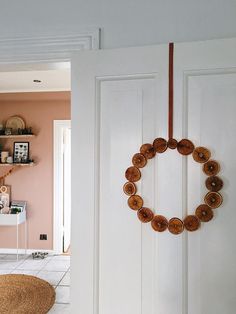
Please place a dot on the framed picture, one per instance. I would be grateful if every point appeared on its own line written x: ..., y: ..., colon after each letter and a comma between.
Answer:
x: 21, y: 152
x: 17, y: 207
x: 5, y: 191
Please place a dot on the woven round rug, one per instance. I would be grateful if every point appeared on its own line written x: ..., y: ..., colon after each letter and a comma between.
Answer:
x: 23, y: 294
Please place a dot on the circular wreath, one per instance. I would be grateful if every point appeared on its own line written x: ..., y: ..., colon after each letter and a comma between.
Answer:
x: 203, y: 213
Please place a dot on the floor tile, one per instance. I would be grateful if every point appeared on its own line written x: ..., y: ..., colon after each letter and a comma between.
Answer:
x: 61, y: 258
x: 13, y: 257
x: 53, y: 277
x: 57, y: 265
x: 60, y: 309
x: 25, y: 272
x: 65, y: 280
x: 10, y: 264
x: 33, y: 264
x: 62, y: 294
x: 5, y: 271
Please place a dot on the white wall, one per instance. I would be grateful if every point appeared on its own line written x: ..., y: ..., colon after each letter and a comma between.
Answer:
x: 123, y: 22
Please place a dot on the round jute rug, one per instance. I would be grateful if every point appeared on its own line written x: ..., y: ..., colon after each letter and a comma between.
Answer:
x: 23, y: 294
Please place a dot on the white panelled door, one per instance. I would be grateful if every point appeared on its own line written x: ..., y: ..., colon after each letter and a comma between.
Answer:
x: 119, y: 102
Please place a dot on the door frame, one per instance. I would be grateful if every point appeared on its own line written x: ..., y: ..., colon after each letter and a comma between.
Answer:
x: 58, y: 146
x: 22, y: 51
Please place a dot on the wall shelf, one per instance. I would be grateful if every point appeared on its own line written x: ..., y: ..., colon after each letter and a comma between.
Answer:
x: 17, y: 136
x: 12, y: 219
x: 19, y: 164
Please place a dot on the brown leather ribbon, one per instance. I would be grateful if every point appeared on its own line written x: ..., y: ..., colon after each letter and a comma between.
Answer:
x: 171, y: 89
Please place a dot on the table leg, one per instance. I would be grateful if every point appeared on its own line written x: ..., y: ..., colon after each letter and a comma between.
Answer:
x: 17, y: 242
x: 26, y: 237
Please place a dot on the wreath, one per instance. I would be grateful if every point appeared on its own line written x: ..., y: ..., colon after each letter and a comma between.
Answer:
x: 202, y: 155
x: 203, y: 213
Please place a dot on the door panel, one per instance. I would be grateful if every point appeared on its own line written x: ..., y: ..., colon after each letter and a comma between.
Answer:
x: 118, y: 231
x: 112, y: 76
x: 119, y: 102
x: 211, y: 112
x: 129, y: 117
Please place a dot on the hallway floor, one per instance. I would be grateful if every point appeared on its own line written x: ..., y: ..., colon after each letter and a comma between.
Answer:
x: 54, y: 268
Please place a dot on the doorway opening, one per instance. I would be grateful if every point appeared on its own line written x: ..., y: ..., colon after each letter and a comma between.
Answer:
x: 38, y: 94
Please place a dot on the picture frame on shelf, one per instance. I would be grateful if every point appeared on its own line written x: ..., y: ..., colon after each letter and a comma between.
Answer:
x: 21, y: 152
x: 8, y: 131
x: 5, y: 195
x: 17, y: 207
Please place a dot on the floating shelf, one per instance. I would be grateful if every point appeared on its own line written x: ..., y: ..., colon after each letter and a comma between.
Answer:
x: 20, y: 164
x: 17, y: 136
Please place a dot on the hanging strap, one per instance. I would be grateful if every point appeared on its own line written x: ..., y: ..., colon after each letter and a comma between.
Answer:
x: 171, y: 90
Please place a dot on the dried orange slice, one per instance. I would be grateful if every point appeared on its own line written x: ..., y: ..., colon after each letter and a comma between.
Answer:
x: 191, y: 223
x: 185, y: 147
x: 211, y: 168
x: 133, y: 174
x: 204, y: 213
x: 213, y: 199
x: 135, y: 202
x: 148, y: 151
x: 176, y: 225
x: 172, y: 143
x: 214, y: 183
x: 129, y: 188
x: 139, y: 160
x: 201, y: 154
x: 160, y: 145
x: 145, y: 214
x: 159, y: 223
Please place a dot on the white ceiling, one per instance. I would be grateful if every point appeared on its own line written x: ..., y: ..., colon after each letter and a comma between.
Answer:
x: 20, y: 78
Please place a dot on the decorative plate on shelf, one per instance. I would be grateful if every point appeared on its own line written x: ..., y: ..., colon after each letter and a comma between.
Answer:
x: 15, y: 123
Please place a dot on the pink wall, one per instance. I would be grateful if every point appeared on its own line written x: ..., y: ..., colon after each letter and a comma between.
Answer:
x: 34, y: 184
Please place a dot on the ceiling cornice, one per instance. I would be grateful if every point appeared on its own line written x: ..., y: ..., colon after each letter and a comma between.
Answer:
x: 48, y: 48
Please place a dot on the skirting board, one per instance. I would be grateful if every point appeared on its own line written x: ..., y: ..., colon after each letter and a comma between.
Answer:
x: 22, y: 251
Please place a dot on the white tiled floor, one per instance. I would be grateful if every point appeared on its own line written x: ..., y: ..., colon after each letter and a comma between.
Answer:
x: 54, y: 269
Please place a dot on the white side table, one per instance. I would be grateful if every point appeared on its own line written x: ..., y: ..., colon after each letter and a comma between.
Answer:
x: 15, y: 220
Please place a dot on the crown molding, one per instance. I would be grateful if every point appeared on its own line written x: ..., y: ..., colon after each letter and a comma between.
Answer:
x: 48, y: 48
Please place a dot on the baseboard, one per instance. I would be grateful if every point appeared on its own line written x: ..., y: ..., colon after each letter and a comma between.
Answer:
x: 22, y: 251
